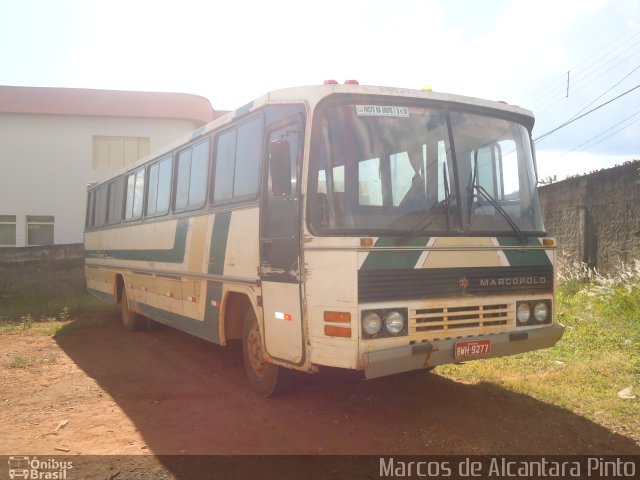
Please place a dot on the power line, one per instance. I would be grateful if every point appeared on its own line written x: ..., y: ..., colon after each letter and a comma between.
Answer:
x: 580, y: 84
x: 606, y: 91
x: 542, y: 91
x: 579, y: 76
x: 584, y: 114
x: 605, y: 131
x: 614, y: 133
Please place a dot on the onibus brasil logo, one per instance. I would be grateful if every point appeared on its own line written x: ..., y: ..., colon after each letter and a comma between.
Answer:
x: 35, y: 468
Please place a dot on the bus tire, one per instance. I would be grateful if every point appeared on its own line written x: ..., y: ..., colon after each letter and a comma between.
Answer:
x: 130, y: 319
x: 266, y: 378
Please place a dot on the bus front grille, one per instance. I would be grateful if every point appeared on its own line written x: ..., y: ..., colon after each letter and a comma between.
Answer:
x: 458, y: 318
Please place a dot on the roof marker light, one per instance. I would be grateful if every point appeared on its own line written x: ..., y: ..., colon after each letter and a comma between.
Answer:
x: 330, y: 82
x: 351, y: 82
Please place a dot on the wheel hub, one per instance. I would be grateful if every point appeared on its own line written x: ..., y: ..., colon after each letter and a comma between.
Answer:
x: 255, y: 351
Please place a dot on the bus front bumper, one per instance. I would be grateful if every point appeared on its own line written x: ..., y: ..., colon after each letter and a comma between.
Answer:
x: 430, y: 354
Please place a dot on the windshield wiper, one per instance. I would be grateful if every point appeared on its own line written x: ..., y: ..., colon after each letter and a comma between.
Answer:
x: 487, y: 196
x: 427, y: 221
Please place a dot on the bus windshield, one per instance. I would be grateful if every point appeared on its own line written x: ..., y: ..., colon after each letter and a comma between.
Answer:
x: 396, y: 169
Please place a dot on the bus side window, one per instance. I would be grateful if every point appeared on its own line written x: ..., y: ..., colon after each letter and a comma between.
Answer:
x: 192, y: 174
x: 248, y: 155
x: 237, y: 162
x: 159, y: 187
x: 199, y: 175
x: 100, y: 217
x: 116, y: 188
x: 90, y: 206
x: 135, y: 190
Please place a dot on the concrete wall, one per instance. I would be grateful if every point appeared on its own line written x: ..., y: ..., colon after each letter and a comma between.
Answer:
x: 596, y: 217
x: 46, y: 162
x: 38, y: 278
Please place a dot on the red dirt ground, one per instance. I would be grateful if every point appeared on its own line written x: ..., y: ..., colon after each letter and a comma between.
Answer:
x: 165, y: 392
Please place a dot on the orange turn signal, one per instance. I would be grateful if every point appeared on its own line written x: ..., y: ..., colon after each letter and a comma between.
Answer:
x: 337, y: 317
x: 333, y: 331
x: 366, y: 242
x: 548, y: 242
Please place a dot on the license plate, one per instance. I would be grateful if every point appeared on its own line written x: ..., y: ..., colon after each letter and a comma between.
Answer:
x: 472, y: 349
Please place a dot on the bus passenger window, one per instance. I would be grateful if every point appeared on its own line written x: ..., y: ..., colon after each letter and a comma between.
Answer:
x: 101, y: 206
x: 115, y: 200
x: 193, y: 171
x: 135, y: 188
x: 225, y: 159
x: 238, y: 155
x: 159, y: 188
x: 248, y: 153
x: 199, y: 175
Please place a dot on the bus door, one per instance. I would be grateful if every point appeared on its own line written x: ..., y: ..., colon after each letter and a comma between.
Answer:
x: 280, y: 243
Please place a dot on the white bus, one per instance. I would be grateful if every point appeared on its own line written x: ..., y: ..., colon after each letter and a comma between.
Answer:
x: 369, y: 228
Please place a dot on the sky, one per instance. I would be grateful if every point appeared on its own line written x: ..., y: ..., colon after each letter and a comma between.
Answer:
x: 231, y: 52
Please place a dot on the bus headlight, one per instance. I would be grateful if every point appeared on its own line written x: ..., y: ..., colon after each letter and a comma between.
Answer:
x: 523, y: 313
x: 541, y: 312
x: 372, y: 323
x: 394, y: 322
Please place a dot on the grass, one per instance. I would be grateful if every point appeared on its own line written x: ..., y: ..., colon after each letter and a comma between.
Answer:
x: 24, y: 362
x: 598, y: 356
x: 45, y: 306
x: 21, y: 362
x: 52, y: 318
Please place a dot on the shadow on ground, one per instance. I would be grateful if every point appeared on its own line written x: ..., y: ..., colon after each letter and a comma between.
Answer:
x: 188, y: 396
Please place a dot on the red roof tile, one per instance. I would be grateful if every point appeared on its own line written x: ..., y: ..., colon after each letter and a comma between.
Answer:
x: 106, y: 103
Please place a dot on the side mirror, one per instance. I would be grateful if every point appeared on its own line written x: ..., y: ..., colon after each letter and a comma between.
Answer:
x: 280, y: 167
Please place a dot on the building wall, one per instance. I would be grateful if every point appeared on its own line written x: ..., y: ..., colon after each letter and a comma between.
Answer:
x: 596, y: 217
x: 46, y: 162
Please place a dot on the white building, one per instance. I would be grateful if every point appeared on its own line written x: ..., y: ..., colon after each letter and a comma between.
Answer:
x: 53, y: 141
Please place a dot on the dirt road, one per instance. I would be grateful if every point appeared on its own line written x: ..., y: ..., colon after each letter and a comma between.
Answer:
x: 95, y: 389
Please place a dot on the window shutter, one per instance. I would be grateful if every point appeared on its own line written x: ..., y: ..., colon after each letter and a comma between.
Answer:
x: 112, y: 153
x: 130, y: 150
x: 115, y: 152
x: 100, y: 153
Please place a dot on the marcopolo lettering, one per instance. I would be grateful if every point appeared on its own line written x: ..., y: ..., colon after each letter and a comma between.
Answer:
x: 512, y: 281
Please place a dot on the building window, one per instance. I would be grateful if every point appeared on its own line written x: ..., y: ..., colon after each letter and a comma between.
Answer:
x: 110, y: 153
x: 39, y: 230
x: 7, y: 230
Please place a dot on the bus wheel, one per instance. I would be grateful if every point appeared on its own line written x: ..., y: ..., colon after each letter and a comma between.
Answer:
x: 266, y: 378
x: 130, y: 319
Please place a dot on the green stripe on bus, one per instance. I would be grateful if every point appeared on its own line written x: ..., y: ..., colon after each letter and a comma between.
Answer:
x: 219, y: 237
x: 212, y: 310
x: 217, y: 252
x: 195, y: 327
x: 392, y: 260
x: 524, y: 258
x: 169, y: 255
x: 102, y: 295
